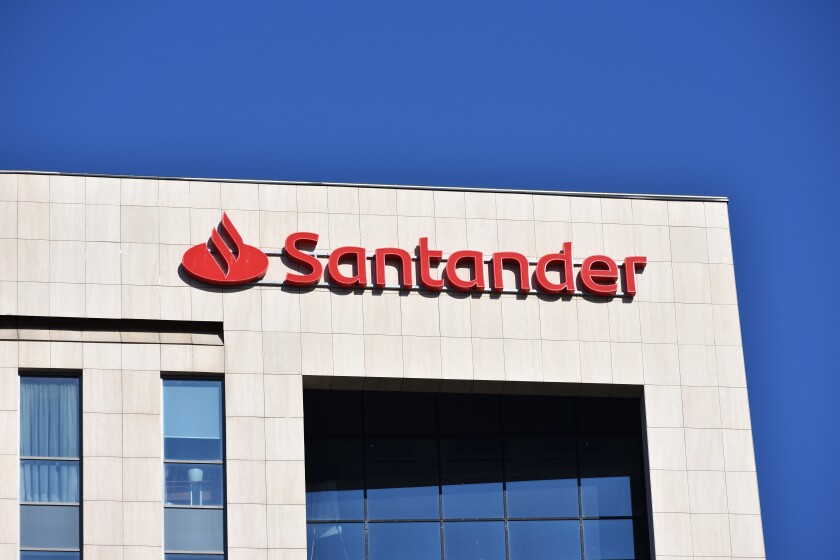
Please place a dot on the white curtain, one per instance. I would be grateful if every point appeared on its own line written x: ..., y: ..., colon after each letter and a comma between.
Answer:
x: 49, y: 428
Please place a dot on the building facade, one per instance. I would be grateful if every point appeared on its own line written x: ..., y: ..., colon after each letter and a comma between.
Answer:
x: 196, y: 370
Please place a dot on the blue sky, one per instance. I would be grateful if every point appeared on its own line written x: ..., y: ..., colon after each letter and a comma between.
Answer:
x: 719, y: 97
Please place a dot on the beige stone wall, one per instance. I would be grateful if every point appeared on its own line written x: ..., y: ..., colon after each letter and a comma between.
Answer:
x: 110, y: 248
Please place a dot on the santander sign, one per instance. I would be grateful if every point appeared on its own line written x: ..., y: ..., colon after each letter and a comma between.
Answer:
x: 226, y: 260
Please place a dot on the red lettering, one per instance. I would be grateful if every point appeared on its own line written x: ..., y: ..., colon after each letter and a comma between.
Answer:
x: 630, y: 266
x: 498, y: 265
x: 426, y: 258
x: 477, y: 282
x: 406, y: 280
x: 299, y: 257
x: 564, y: 258
x: 358, y: 279
x: 599, y: 275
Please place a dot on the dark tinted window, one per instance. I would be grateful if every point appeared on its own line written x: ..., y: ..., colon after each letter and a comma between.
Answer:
x: 488, y: 477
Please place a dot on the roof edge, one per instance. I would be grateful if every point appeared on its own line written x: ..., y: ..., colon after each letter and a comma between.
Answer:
x: 673, y: 197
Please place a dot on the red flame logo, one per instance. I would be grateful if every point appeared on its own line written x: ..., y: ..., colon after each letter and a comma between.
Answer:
x: 225, y: 260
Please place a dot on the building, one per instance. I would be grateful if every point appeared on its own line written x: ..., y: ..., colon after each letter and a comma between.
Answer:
x: 276, y: 371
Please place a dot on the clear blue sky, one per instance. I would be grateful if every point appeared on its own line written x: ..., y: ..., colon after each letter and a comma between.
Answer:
x: 716, y: 97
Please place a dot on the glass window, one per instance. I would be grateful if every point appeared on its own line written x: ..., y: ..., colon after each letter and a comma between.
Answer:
x: 193, y: 530
x: 194, y: 516
x: 474, y: 540
x: 339, y: 541
x: 608, y: 539
x: 544, y: 540
x: 541, y: 477
x: 471, y: 471
x: 334, y: 471
x: 192, y: 420
x: 472, y: 477
x: 406, y: 541
x: 50, y: 492
x: 47, y: 555
x: 402, y: 479
x: 49, y: 527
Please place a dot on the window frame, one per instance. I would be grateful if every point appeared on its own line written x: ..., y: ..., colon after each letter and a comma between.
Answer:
x: 216, y: 378
x: 57, y: 373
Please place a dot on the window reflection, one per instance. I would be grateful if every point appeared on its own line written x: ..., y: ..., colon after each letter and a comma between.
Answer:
x: 404, y: 541
x: 608, y: 539
x: 463, y: 477
x: 345, y: 541
x: 189, y: 484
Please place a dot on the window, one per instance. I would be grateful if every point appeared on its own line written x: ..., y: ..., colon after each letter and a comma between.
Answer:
x: 473, y: 477
x: 194, y: 477
x: 50, y: 468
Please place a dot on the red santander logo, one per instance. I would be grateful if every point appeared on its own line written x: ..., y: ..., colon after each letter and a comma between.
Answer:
x: 225, y: 260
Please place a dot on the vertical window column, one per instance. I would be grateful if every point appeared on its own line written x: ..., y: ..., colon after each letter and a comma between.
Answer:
x: 50, y: 468
x: 193, y: 455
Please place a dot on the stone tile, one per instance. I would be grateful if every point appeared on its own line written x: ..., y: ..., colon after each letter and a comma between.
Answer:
x: 551, y: 208
x: 381, y: 202
x: 283, y: 396
x: 316, y: 354
x: 8, y: 220
x: 585, y: 209
x: 658, y: 322
x: 343, y: 200
x: 347, y: 313
x: 284, y: 439
x: 669, y: 491
x: 704, y: 450
x: 520, y: 317
x: 142, y: 524
x: 143, y: 480
x: 510, y: 206
x: 480, y: 205
x: 344, y: 230
x: 103, y: 435
x: 653, y: 242
x: 451, y: 235
x: 247, y: 526
x: 738, y: 450
x: 282, y: 353
x: 246, y: 482
x: 710, y: 534
x: 686, y: 213
x: 698, y: 365
x: 588, y: 239
x: 279, y: 198
x: 747, y: 536
x: 33, y: 261
x: 695, y: 323
x: 689, y: 245
x: 707, y: 491
x: 523, y: 360
x: 717, y: 214
x: 734, y: 408
x: 289, y: 526
x: 33, y: 219
x: 383, y: 356
x: 315, y: 312
x: 558, y: 319
x: 727, y: 326
x: 280, y: 310
x: 411, y: 202
x: 33, y: 188
x: 666, y: 448
x: 103, y: 523
x: 650, y: 212
x: 595, y: 362
x: 285, y: 482
x: 378, y: 231
x: 240, y: 196
x: 449, y: 204
x: 722, y: 284
x: 204, y: 194
x: 517, y: 236
x: 67, y: 300
x: 663, y: 406
x: 730, y: 366
x: 488, y: 359
x: 421, y: 357
x: 139, y: 224
x: 456, y: 358
x: 102, y: 223
x: 550, y: 236
x: 67, y: 222
x: 672, y: 534
x: 701, y: 407
x: 719, y: 246
x: 348, y: 352
x: 245, y: 438
x: 742, y: 493
x: 243, y: 352
x: 141, y: 435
